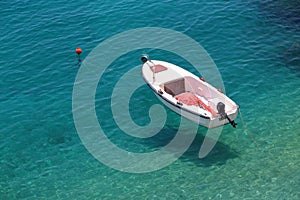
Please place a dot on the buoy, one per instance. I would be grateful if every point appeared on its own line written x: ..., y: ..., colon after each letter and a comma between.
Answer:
x: 78, y: 50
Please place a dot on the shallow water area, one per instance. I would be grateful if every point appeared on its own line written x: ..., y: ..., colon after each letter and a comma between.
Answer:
x: 255, y: 47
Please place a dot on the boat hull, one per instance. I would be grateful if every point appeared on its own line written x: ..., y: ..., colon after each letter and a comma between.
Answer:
x: 196, y: 117
x: 187, y: 95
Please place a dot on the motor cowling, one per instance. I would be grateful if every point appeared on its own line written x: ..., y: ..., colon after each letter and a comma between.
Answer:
x: 221, y: 109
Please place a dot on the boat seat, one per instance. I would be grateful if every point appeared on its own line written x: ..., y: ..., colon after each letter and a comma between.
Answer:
x: 174, y: 87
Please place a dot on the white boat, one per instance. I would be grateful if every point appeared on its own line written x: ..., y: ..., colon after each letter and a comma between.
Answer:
x: 188, y: 95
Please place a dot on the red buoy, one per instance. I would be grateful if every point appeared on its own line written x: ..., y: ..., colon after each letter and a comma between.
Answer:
x: 78, y: 50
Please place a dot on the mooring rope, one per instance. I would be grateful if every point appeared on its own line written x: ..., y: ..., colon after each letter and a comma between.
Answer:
x: 247, y: 130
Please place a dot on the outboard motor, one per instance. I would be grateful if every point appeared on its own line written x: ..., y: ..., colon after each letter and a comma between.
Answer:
x: 144, y: 58
x: 221, y: 110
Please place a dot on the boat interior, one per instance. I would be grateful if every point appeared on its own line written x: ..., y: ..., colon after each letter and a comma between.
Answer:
x: 187, y: 84
x: 190, y: 91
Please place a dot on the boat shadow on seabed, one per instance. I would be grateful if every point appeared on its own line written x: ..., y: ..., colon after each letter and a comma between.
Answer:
x: 219, y: 155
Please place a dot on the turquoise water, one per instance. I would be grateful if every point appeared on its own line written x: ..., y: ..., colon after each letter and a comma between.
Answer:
x: 256, y: 47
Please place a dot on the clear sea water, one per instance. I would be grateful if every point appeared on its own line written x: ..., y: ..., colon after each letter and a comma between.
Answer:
x: 256, y: 46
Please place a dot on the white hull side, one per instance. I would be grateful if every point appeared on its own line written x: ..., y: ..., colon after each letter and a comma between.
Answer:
x: 203, y: 121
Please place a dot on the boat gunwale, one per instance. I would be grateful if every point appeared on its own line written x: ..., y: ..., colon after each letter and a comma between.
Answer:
x: 177, y: 105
